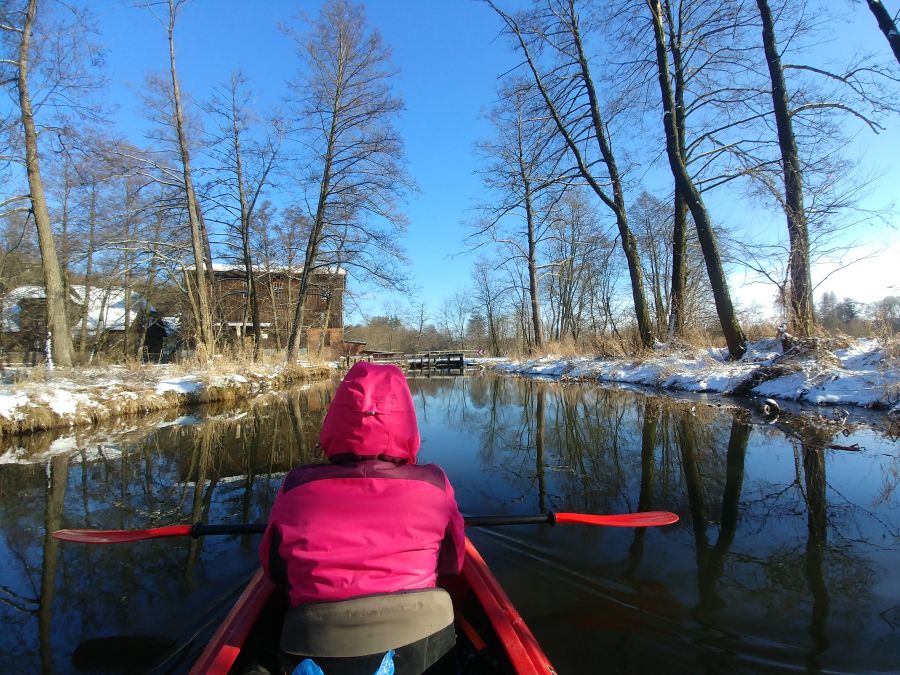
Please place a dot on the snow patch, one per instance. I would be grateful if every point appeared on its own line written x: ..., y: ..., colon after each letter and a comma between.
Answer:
x: 864, y: 376
x: 9, y: 403
x: 181, y: 385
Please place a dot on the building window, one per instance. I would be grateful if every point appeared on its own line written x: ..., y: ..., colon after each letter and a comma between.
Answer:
x: 278, y: 289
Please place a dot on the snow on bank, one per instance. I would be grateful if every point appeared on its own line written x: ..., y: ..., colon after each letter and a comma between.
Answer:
x: 860, y: 374
x: 79, y: 397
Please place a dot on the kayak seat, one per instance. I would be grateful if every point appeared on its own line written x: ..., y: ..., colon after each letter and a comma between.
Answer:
x: 371, y: 625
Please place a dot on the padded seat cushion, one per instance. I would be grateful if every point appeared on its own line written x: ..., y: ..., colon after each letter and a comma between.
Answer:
x: 367, y: 625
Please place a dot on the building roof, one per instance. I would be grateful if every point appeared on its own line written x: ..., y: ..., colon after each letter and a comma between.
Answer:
x: 106, y: 307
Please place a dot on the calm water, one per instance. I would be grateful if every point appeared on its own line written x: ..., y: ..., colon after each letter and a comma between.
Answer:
x: 786, y: 557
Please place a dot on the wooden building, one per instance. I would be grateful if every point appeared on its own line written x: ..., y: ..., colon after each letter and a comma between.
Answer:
x: 277, y: 291
x: 98, y: 318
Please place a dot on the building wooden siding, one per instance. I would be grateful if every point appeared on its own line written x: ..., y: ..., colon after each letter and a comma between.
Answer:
x: 277, y: 296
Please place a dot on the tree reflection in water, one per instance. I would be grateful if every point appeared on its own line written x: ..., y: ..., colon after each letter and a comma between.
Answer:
x: 784, y: 558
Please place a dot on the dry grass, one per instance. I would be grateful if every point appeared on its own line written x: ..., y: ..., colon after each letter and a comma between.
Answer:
x: 761, y: 330
x: 564, y: 348
x: 891, y: 345
x: 130, y: 389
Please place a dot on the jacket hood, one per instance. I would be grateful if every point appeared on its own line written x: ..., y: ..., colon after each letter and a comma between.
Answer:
x: 371, y: 416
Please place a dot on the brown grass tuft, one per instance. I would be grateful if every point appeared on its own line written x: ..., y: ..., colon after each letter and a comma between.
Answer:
x: 136, y: 394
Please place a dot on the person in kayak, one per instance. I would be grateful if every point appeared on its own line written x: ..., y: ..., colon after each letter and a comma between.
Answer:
x: 357, y: 543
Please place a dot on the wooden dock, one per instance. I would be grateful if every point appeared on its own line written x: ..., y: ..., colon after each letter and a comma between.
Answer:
x: 425, y: 361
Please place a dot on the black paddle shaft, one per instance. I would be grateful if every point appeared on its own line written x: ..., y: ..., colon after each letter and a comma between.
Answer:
x: 547, y: 518
x: 202, y: 530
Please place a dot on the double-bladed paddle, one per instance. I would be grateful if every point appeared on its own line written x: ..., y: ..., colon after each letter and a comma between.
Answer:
x: 641, y: 519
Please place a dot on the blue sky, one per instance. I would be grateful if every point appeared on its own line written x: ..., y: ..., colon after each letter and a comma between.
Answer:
x: 449, y: 59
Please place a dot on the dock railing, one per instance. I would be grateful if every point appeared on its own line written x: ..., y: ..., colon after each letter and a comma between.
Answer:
x: 444, y: 359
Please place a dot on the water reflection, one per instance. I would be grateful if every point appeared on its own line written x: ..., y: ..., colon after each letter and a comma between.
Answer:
x: 785, y: 558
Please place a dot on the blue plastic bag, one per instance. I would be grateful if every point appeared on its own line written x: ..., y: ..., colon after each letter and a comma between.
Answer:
x: 387, y: 664
x: 309, y: 667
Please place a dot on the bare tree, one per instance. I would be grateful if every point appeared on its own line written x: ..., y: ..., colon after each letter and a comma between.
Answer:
x: 454, y: 313
x: 577, y: 250
x: 420, y: 318
x: 808, y: 111
x: 520, y: 173
x: 802, y: 314
x: 197, y: 286
x: 573, y: 101
x: 704, y: 50
x: 487, y: 296
x: 358, y: 176
x: 651, y: 220
x: 20, y: 25
x: 246, y: 164
x: 734, y: 335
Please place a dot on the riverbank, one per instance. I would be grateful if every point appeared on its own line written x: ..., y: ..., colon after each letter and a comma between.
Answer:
x: 836, y: 372
x: 864, y: 373
x: 86, y: 396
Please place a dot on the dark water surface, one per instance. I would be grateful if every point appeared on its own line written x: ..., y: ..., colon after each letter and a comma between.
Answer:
x: 786, y: 558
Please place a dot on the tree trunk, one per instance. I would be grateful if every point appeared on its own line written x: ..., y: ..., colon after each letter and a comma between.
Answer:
x: 802, y: 313
x: 205, y: 337
x: 149, y: 292
x: 679, y: 229
x: 130, y: 195
x: 245, y: 239
x: 887, y: 26
x: 734, y: 336
x: 525, y: 176
x: 315, y: 236
x: 532, y: 274
x: 57, y: 306
x: 89, y: 268
x: 312, y: 252
x: 617, y: 204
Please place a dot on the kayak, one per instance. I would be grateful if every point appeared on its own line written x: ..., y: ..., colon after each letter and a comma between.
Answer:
x: 487, y: 624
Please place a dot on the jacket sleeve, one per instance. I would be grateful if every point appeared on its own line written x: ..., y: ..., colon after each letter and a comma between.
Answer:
x: 453, y: 547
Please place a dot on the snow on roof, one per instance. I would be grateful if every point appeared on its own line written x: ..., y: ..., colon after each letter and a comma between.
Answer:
x: 106, y: 307
x: 25, y: 293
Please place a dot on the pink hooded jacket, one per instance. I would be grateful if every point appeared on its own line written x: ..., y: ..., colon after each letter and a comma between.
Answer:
x: 371, y: 521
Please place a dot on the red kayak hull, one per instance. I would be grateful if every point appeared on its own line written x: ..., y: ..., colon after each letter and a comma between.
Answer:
x: 521, y: 649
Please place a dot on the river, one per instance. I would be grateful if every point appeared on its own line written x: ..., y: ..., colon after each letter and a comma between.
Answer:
x: 785, y: 558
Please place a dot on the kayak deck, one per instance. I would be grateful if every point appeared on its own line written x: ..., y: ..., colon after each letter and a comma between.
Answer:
x: 492, y: 635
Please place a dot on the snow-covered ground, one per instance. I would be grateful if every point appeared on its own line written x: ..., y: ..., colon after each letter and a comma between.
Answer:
x: 862, y: 373
x: 72, y: 398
